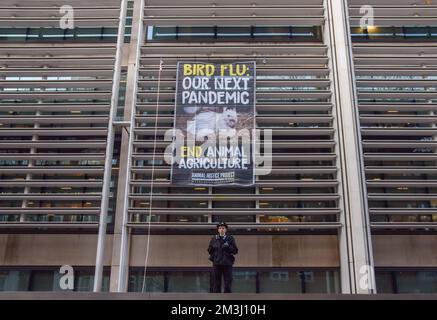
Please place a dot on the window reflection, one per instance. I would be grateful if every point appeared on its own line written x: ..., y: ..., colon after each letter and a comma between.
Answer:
x: 47, y: 280
x: 233, y: 33
x: 406, y: 281
x: 278, y: 280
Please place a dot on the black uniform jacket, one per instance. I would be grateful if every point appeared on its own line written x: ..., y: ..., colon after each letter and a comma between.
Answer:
x: 222, y: 249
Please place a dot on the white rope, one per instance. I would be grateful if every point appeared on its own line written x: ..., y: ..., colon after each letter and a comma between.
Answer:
x: 146, y: 260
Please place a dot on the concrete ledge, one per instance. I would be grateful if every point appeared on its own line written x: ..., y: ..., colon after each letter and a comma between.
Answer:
x: 203, y: 296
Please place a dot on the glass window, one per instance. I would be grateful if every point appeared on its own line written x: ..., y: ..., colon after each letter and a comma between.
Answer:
x: 297, y: 218
x: 406, y: 281
x: 285, y: 281
x: 14, y: 280
x: 47, y: 280
x: 320, y: 282
x: 233, y: 204
x: 244, y: 281
x: 57, y: 34
x: 84, y: 280
x: 416, y: 282
x: 155, y: 281
x: 405, y: 33
x: 187, y: 218
x: 53, y: 34
x: 279, y: 282
x: 233, y: 33
x: 169, y: 281
x: 194, y: 33
x: 271, y: 33
x: 384, y: 282
x: 234, y: 218
x: 42, y: 281
x: 188, y: 281
x: 161, y: 33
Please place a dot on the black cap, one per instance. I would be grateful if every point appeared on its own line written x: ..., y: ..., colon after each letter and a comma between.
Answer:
x: 222, y: 224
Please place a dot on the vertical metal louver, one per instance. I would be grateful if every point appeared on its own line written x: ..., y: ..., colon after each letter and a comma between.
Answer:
x: 396, y: 78
x: 55, y: 92
x: 294, y: 100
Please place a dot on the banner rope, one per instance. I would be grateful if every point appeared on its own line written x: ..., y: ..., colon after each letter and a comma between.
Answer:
x: 146, y: 260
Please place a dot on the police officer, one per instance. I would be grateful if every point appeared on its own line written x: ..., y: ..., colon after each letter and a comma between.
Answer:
x: 222, y: 249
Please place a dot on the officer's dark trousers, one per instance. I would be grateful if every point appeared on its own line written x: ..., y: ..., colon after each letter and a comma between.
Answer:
x: 218, y: 272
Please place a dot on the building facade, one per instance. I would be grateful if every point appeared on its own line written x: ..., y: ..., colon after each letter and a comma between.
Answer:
x: 347, y: 88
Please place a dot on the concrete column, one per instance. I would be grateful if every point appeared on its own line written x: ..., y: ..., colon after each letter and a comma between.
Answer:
x: 357, y: 276
x: 107, y: 175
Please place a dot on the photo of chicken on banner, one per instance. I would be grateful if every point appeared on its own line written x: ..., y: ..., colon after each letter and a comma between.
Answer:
x: 209, y: 121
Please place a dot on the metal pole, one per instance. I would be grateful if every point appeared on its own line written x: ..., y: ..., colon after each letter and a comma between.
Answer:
x: 124, y: 247
x: 98, y: 277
